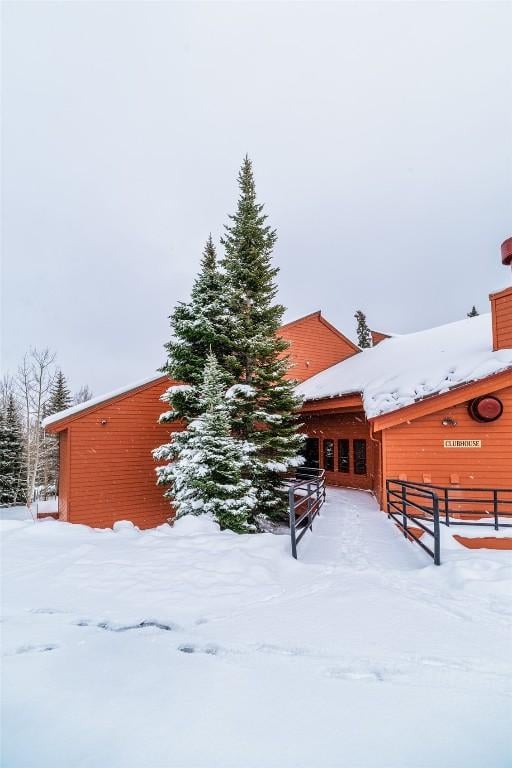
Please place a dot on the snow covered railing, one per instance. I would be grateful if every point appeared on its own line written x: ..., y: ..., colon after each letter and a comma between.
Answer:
x: 472, y: 505
x: 419, y: 505
x: 306, y: 495
x: 426, y: 506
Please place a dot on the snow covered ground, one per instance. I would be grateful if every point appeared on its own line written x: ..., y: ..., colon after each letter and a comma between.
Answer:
x: 191, y: 648
x: 16, y: 513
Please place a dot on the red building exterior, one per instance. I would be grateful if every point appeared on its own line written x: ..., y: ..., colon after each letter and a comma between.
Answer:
x: 107, y: 472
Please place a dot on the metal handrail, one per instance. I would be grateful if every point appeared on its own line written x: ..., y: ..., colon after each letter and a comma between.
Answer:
x: 495, y: 498
x: 398, y: 503
x: 312, y: 481
x: 407, y: 500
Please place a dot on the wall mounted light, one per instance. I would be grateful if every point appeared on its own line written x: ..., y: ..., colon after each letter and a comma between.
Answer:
x: 448, y: 422
x: 103, y: 422
x: 486, y: 408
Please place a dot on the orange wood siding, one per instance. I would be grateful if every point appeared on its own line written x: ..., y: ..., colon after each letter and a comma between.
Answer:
x: 377, y: 468
x: 112, y: 472
x: 315, y: 345
x: 349, y: 426
x: 414, y: 450
x: 377, y: 337
x: 501, y: 306
x: 63, y: 490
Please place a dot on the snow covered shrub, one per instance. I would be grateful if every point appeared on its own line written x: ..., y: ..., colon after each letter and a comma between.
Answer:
x: 206, y: 464
x: 198, y: 327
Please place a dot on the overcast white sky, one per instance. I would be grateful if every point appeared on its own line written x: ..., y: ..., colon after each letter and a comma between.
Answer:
x: 381, y: 136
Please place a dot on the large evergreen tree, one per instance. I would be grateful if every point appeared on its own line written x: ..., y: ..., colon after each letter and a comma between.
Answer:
x: 198, y: 327
x: 264, y: 406
x: 12, y: 485
x: 364, y: 336
x: 205, y: 473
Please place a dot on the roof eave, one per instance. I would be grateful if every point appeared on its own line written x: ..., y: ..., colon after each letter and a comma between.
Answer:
x: 436, y: 401
x: 59, y: 424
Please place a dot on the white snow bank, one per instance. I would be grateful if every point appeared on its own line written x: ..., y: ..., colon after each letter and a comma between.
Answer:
x: 194, y: 525
x: 404, y: 369
x: 15, y: 513
x: 194, y: 647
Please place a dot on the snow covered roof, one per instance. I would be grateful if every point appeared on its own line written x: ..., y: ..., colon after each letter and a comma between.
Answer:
x: 99, y: 399
x: 397, y: 372
x: 404, y: 369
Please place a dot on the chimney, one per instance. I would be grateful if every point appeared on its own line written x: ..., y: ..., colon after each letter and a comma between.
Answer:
x: 501, y: 306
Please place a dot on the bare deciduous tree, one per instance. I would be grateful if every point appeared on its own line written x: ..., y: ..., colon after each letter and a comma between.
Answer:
x: 34, y: 380
x: 7, y: 388
x: 83, y: 394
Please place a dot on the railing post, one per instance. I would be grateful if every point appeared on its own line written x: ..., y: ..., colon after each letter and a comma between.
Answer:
x: 310, y: 522
x: 291, y: 505
x: 437, y: 540
x: 446, y: 511
x: 404, y: 510
x: 318, y: 496
x: 388, y: 505
x: 495, y: 506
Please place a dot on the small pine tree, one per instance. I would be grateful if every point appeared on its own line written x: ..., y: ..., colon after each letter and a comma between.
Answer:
x: 474, y: 312
x: 59, y: 399
x: 60, y: 396
x: 198, y: 327
x: 12, y: 481
x: 364, y: 336
x: 206, y: 462
x: 265, y: 413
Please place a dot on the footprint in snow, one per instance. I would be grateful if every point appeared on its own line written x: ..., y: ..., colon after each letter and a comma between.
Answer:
x: 353, y: 674
x: 111, y: 627
x: 34, y: 649
x: 48, y: 611
x: 434, y: 662
x: 210, y: 650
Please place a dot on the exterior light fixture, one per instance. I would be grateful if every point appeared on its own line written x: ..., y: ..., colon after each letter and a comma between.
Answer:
x: 103, y: 422
x: 448, y: 422
x: 487, y: 408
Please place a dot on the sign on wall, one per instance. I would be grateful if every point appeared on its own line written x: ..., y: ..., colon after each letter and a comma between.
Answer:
x: 462, y: 443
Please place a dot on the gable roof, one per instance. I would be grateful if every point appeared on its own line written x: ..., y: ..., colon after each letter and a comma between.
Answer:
x: 326, y: 323
x: 403, y: 370
x: 399, y: 372
x: 97, y: 402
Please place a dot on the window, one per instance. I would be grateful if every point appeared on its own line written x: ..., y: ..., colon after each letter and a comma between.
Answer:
x: 360, y: 457
x: 343, y: 456
x: 312, y: 452
x: 329, y: 455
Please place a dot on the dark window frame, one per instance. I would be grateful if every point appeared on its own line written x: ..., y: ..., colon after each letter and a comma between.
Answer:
x: 310, y: 461
x: 344, y: 455
x: 328, y: 461
x: 360, y: 457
